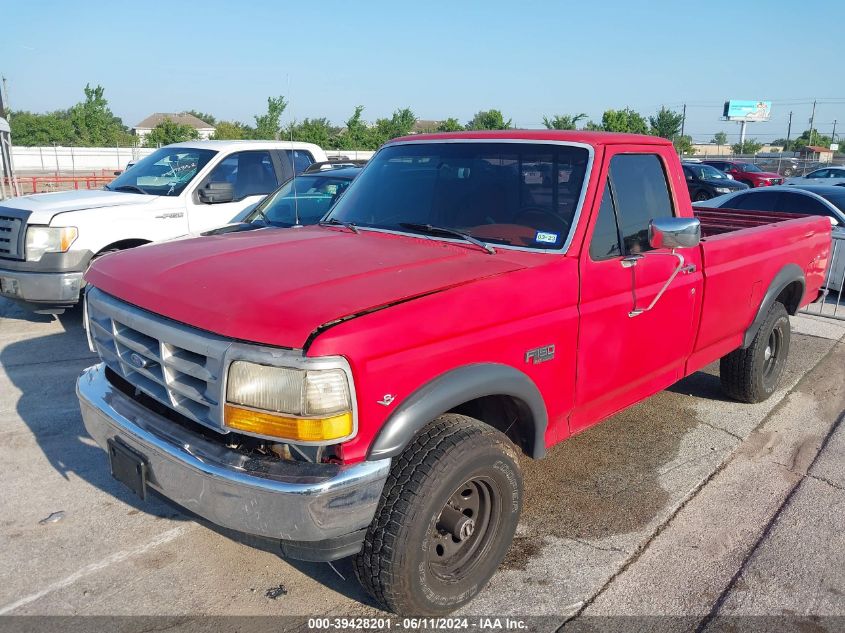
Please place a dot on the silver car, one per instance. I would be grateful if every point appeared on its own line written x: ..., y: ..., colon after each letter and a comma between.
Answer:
x: 824, y: 176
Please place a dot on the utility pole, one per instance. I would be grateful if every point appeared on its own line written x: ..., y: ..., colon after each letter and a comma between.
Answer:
x: 812, y: 120
x: 833, y: 135
x: 683, y: 119
x: 789, y: 131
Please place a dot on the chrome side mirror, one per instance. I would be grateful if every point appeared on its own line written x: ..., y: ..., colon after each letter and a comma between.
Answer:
x: 674, y: 233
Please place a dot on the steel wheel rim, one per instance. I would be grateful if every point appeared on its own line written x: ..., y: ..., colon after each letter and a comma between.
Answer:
x: 771, y: 355
x: 451, y: 558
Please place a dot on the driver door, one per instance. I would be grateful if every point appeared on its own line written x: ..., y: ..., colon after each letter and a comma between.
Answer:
x: 623, y: 357
x: 252, y: 174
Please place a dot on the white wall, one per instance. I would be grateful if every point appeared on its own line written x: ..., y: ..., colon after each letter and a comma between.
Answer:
x: 80, y: 159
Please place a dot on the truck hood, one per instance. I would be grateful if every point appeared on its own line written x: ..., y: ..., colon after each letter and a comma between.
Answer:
x: 43, y: 206
x: 278, y: 286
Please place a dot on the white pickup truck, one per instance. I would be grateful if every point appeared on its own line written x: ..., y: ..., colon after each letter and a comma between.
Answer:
x: 47, y: 240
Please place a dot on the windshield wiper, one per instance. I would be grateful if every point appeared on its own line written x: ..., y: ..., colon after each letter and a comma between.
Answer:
x: 443, y: 230
x: 335, y: 222
x: 130, y: 188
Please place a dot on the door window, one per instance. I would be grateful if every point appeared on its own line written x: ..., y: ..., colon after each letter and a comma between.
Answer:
x: 294, y: 161
x: 799, y: 203
x: 250, y: 173
x: 605, y: 243
x: 760, y: 201
x: 640, y: 194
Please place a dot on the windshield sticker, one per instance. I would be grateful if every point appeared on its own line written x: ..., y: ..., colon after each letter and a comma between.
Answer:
x: 545, y: 238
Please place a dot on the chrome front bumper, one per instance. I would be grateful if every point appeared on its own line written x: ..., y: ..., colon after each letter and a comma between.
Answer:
x: 290, y: 501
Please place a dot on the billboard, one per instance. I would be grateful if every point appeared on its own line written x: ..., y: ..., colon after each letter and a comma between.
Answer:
x: 747, y: 110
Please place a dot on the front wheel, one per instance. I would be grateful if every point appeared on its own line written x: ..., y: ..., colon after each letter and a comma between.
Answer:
x: 446, y: 518
x: 701, y: 196
x: 753, y: 374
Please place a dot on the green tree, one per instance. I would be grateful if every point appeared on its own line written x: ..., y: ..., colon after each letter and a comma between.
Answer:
x: 32, y: 129
x: 626, y: 120
x: 318, y: 131
x: 168, y: 131
x: 357, y: 134
x: 94, y: 123
x: 802, y: 141
x: 204, y: 116
x: 231, y: 131
x: 666, y: 123
x: 720, y: 138
x: 400, y: 124
x: 563, y: 121
x: 683, y: 144
x: 268, y: 126
x: 488, y: 120
x: 750, y: 146
x: 450, y: 125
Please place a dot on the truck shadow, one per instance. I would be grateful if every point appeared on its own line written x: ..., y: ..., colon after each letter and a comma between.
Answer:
x: 44, y: 369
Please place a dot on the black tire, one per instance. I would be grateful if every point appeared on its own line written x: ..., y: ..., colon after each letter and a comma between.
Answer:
x: 701, y: 196
x: 410, y: 563
x: 753, y: 374
x: 787, y: 172
x: 747, y: 182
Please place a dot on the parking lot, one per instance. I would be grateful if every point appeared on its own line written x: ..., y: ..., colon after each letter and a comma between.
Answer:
x: 686, y: 505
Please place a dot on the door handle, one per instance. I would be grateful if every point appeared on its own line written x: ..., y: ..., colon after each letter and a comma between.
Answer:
x: 170, y: 216
x: 689, y: 269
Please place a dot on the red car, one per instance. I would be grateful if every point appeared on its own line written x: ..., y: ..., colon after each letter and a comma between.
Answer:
x: 746, y: 173
x: 363, y: 387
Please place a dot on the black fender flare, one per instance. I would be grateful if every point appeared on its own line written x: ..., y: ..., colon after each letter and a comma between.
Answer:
x: 787, y: 275
x: 451, y: 389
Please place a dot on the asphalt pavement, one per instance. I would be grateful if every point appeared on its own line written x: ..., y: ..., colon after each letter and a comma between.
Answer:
x: 685, y: 506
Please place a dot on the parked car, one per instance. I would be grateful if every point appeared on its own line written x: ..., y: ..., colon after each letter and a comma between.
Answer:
x: 827, y: 201
x: 824, y: 176
x: 180, y: 189
x: 705, y: 182
x: 746, y: 173
x: 787, y: 165
x: 300, y: 201
x: 363, y: 387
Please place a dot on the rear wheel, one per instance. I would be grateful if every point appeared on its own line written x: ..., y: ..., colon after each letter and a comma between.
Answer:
x: 701, y: 196
x: 753, y: 374
x: 446, y: 518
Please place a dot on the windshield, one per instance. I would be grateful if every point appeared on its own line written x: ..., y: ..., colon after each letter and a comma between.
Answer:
x: 315, y: 194
x: 706, y: 172
x: 519, y: 194
x: 165, y: 172
x: 748, y: 167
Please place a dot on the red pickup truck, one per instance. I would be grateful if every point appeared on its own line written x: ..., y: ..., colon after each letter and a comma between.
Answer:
x: 364, y: 387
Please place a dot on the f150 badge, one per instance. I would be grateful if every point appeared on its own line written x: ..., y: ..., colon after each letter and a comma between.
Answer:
x: 540, y: 354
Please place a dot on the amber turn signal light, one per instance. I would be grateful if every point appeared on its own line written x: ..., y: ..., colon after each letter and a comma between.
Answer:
x: 289, y: 428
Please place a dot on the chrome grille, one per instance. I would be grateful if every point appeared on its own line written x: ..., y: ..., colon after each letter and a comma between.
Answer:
x: 10, y: 230
x: 179, y: 366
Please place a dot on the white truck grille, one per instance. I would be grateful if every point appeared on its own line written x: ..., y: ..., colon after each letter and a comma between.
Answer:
x: 179, y: 366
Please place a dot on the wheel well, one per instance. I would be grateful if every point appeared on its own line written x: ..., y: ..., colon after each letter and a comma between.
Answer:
x: 791, y: 296
x: 507, y: 414
x: 121, y: 245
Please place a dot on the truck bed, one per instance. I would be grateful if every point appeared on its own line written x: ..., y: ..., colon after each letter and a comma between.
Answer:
x: 742, y: 252
x: 719, y: 221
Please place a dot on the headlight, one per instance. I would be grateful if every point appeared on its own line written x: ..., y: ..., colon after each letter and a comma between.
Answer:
x: 48, y: 239
x: 291, y: 404
x: 722, y: 190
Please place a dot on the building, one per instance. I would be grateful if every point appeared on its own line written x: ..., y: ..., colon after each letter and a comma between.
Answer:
x: 182, y: 118
x: 706, y: 150
x: 819, y: 153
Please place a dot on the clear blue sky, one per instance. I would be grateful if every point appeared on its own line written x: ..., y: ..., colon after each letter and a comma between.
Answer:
x: 440, y: 58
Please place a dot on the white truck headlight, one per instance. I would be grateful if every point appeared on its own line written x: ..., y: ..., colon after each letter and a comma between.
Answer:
x: 48, y: 239
x: 293, y: 404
